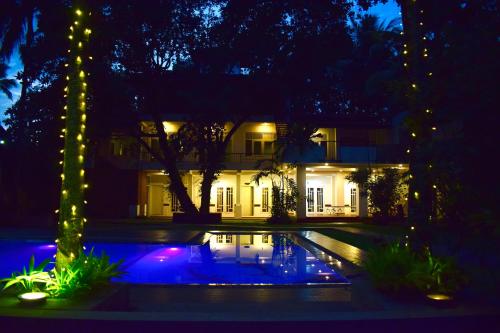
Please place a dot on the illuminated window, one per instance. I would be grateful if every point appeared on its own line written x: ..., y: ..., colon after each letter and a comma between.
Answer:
x: 265, y: 200
x: 220, y: 239
x: 229, y: 199
x: 353, y: 200
x: 265, y: 238
x: 259, y: 143
x: 229, y: 238
x: 319, y: 200
x: 176, y: 205
x: 220, y: 199
x: 310, y: 200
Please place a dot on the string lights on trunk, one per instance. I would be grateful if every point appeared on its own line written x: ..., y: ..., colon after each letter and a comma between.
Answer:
x: 71, y: 219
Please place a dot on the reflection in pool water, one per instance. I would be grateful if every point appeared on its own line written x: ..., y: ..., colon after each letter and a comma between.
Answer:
x: 224, y: 259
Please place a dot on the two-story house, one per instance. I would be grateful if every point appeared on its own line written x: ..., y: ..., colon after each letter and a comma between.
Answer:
x: 141, y: 188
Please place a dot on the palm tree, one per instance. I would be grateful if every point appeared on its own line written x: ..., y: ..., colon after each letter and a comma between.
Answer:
x: 6, y: 84
x: 17, y: 32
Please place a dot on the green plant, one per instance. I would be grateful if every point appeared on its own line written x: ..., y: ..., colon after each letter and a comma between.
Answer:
x: 284, y: 193
x: 395, y: 268
x: 32, y: 279
x: 389, y: 268
x: 84, y: 273
x: 384, y: 191
x: 437, y: 275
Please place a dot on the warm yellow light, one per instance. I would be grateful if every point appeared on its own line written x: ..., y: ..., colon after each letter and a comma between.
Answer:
x: 434, y: 186
x: 70, y: 36
x: 405, y: 64
x: 405, y: 52
x: 67, y: 78
x: 427, y: 110
x: 413, y: 134
x: 439, y: 297
x: 79, y: 137
x: 78, y: 12
x: 414, y: 86
x: 73, y: 209
x: 82, y: 74
x: 84, y: 117
x: 88, y: 31
x: 80, y: 158
x: 434, y: 128
x: 86, y: 186
x: 65, y: 107
x: 80, y: 44
x: 64, y: 192
x: 416, y: 195
x: 62, y: 175
x: 78, y: 60
x: 83, y: 104
x: 412, y: 228
x: 33, y: 297
x: 429, y: 74
x: 82, y: 172
x: 425, y: 54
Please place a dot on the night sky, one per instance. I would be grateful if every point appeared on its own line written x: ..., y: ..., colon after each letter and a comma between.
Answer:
x: 386, y: 11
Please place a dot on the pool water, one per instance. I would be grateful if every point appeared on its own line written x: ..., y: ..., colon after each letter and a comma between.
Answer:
x: 221, y: 259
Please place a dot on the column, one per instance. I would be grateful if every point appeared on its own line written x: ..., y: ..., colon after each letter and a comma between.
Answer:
x: 142, y: 194
x: 237, y: 204
x: 301, y: 186
x: 340, y: 182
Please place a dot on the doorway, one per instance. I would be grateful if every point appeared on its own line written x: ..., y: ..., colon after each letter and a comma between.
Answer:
x: 247, y: 200
x: 315, y: 200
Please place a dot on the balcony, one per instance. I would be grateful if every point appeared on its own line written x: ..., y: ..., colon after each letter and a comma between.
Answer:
x: 135, y: 157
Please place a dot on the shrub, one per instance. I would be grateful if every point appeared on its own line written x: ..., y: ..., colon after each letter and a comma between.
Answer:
x: 389, y: 268
x: 32, y: 279
x: 86, y: 272
x: 395, y: 268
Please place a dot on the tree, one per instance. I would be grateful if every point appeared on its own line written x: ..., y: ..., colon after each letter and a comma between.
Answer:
x: 18, y: 32
x: 284, y: 191
x: 6, y: 84
x: 384, y: 191
x: 71, y: 218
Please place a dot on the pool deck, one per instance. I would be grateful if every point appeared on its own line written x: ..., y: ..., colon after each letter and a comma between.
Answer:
x: 138, y: 307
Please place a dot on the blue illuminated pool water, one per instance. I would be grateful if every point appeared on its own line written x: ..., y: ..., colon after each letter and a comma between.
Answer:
x: 234, y: 259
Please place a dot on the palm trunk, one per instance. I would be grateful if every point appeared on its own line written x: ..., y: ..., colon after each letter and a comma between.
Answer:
x: 71, y: 218
x: 420, y: 199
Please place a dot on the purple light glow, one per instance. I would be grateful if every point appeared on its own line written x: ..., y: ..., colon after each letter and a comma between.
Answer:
x: 47, y: 247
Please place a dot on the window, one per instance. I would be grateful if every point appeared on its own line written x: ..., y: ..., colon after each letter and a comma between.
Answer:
x: 259, y: 143
x: 229, y: 199
x: 353, y: 200
x: 176, y: 205
x: 319, y: 200
x: 220, y: 199
x: 229, y: 238
x: 265, y: 199
x: 265, y: 239
x: 310, y: 200
x: 220, y: 239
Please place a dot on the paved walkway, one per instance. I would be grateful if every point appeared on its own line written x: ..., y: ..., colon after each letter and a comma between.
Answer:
x: 344, y: 250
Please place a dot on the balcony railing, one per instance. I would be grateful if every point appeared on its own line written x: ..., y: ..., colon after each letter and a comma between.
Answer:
x: 323, y: 151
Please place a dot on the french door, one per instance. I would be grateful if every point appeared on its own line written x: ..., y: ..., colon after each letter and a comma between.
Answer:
x: 315, y: 200
x: 224, y: 202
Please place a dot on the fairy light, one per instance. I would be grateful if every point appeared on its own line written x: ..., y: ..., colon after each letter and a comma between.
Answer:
x: 70, y: 211
x: 416, y: 52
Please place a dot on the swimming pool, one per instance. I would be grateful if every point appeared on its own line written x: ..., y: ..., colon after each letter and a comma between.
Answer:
x: 217, y: 259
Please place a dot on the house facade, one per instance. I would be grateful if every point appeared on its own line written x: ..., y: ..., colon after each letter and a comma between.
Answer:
x: 320, y: 171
